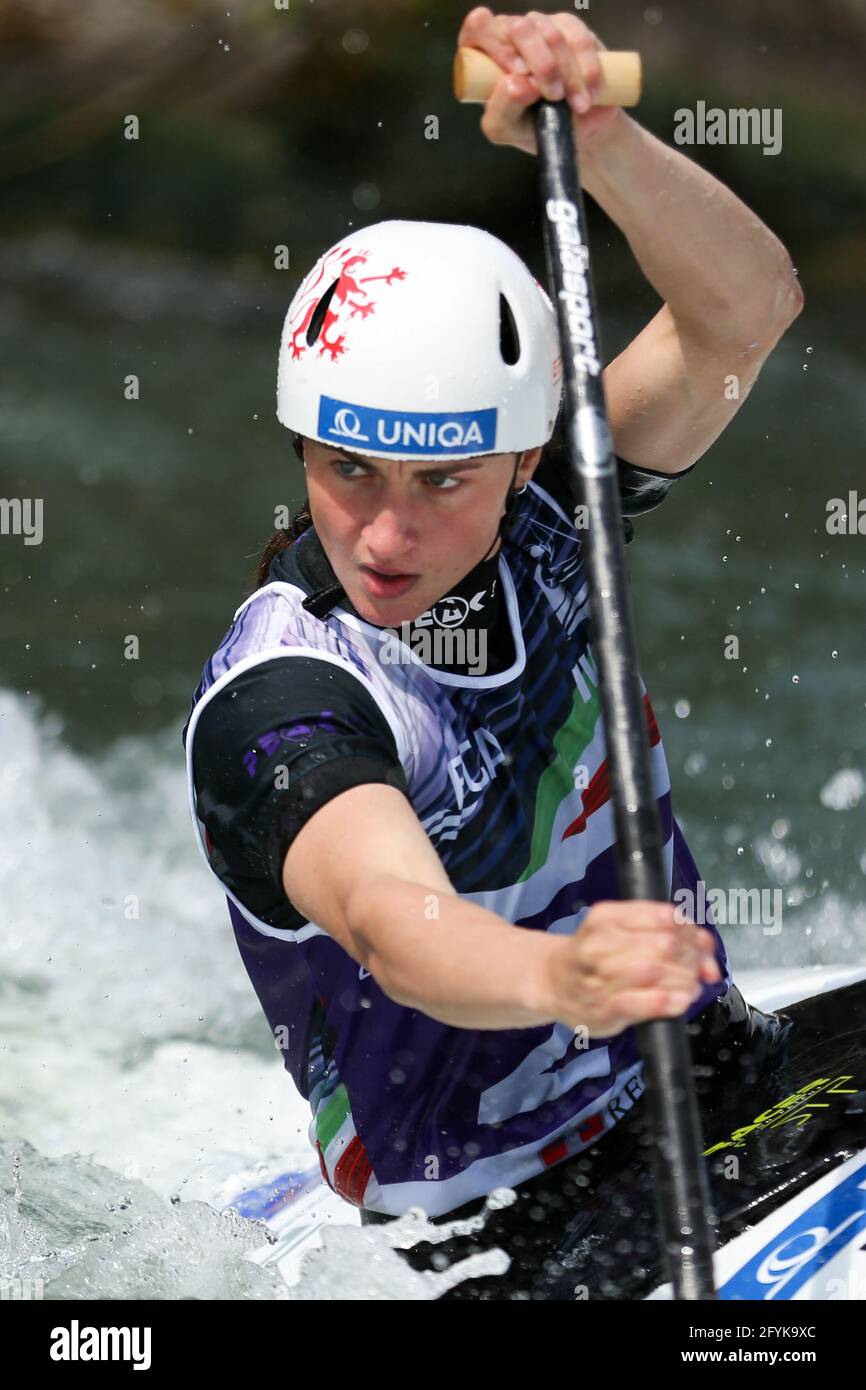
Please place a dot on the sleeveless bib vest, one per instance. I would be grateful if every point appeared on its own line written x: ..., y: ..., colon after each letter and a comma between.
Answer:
x: 508, y: 775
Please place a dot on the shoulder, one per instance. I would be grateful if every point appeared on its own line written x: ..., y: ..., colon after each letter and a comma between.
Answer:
x: 266, y: 751
x: 288, y: 697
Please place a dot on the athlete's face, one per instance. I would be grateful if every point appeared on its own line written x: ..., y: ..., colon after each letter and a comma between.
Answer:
x: 400, y: 533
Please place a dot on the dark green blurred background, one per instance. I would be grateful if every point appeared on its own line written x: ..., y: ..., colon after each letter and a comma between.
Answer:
x: 261, y: 127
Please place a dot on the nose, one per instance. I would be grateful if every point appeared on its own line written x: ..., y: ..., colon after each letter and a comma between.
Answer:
x: 390, y: 535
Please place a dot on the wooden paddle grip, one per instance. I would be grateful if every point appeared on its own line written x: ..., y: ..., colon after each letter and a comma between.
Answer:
x: 476, y: 74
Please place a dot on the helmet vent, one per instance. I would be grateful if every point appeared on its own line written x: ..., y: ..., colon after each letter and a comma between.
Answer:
x: 314, y: 327
x: 509, y: 339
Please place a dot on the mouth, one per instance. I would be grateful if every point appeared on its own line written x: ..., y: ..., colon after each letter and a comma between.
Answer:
x: 381, y: 583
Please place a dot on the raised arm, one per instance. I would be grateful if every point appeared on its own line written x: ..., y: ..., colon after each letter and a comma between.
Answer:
x: 728, y: 285
x: 729, y: 288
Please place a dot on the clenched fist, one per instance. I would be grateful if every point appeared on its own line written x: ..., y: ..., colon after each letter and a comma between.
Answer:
x: 628, y: 962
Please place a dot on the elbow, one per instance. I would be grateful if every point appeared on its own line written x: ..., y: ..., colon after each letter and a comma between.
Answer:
x: 786, y: 303
x: 379, y: 921
x: 768, y: 322
x: 359, y: 921
x: 792, y: 297
x: 366, y: 936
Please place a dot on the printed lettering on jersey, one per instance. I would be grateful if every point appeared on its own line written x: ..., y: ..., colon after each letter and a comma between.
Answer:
x: 472, y: 769
x: 407, y: 432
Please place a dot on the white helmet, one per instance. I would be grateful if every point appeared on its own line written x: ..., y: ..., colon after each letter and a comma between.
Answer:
x: 422, y: 340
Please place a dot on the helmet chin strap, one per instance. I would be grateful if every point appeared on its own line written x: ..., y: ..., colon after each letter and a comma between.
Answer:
x: 508, y: 514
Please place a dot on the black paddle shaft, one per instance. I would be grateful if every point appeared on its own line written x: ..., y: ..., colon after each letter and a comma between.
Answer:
x: 681, y: 1184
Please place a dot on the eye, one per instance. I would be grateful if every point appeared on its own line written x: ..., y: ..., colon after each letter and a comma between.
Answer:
x: 449, y: 483
x: 345, y: 466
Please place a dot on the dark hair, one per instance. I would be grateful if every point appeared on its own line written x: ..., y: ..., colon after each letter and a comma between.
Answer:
x: 299, y: 522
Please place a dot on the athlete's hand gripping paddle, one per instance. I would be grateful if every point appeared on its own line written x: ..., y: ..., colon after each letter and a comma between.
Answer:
x: 476, y: 74
x: 681, y: 1184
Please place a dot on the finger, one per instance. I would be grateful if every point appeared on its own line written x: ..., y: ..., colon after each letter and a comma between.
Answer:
x: 705, y: 943
x: 482, y: 29
x: 710, y: 970
x: 611, y: 958
x: 578, y: 32
x: 504, y: 121
x: 705, y: 940
x: 528, y: 39
x: 568, y: 59
x: 642, y: 1005
x: 584, y: 47
x: 645, y: 972
x: 642, y: 972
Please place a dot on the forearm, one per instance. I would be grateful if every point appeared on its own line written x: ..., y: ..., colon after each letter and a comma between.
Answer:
x: 713, y: 261
x: 433, y: 951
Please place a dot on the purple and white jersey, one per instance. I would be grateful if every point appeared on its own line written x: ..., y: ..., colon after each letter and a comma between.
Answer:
x: 508, y: 775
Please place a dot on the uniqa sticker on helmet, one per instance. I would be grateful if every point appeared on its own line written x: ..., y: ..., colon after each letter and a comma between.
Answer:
x: 407, y: 433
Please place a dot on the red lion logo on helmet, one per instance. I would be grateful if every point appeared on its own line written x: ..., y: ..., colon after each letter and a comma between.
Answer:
x: 340, y: 265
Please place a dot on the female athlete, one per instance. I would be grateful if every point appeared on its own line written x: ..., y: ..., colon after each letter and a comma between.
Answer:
x: 396, y: 756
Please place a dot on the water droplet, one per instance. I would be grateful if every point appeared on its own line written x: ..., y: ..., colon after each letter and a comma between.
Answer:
x: 356, y: 40
x: 366, y: 196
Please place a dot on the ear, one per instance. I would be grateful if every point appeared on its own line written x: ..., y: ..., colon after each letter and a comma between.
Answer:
x: 529, y: 461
